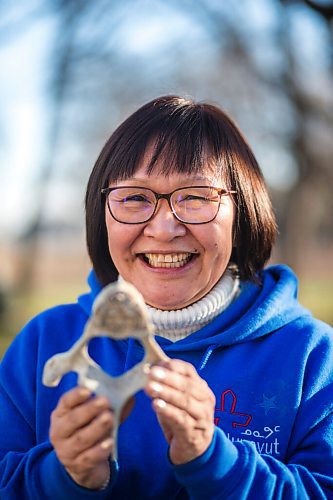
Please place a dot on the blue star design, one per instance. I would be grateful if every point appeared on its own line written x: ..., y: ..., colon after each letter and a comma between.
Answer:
x: 268, y: 403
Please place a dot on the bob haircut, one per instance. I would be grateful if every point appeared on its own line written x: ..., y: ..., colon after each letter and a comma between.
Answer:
x: 187, y: 137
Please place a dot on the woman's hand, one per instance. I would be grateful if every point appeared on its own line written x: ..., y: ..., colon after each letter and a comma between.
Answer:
x: 80, y: 432
x: 184, y: 405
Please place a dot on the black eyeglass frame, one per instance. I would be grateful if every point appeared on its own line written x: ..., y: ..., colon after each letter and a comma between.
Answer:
x: 166, y: 196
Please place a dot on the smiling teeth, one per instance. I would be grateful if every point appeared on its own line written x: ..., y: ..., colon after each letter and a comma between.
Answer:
x: 168, y: 260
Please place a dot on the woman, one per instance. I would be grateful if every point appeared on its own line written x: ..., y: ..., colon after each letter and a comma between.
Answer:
x: 176, y: 204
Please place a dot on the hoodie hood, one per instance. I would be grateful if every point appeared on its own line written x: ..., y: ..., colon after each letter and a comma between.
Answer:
x: 258, y: 311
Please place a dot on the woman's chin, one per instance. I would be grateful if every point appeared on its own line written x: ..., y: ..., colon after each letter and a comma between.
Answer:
x: 168, y: 303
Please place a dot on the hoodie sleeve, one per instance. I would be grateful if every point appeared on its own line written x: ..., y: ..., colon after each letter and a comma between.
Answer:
x: 29, y: 468
x: 236, y: 470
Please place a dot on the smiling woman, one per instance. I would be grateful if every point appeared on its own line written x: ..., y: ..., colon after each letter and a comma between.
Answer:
x: 176, y: 204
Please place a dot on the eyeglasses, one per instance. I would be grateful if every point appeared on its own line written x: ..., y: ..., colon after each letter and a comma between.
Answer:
x: 191, y: 205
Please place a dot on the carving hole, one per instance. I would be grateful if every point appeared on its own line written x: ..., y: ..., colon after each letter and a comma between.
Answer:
x: 101, y: 350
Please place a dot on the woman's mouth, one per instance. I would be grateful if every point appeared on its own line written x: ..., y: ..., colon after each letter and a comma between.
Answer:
x: 171, y: 260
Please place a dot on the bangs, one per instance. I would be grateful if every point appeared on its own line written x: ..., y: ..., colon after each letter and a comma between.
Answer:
x: 185, y: 141
x: 179, y: 146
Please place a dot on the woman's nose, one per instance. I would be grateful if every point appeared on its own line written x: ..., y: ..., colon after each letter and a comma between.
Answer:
x: 164, y: 225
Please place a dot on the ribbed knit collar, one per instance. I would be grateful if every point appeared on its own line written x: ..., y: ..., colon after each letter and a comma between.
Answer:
x: 178, y: 324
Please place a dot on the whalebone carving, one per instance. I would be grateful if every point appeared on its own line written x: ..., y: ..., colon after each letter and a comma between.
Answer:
x: 119, y: 312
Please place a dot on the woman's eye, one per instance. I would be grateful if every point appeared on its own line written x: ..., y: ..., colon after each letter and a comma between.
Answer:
x: 136, y: 197
x: 194, y: 197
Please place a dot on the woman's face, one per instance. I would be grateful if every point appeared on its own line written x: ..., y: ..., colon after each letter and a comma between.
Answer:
x: 200, y: 253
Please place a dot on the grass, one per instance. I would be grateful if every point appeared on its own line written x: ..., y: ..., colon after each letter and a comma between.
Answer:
x: 318, y: 297
x: 21, y: 309
x: 315, y: 295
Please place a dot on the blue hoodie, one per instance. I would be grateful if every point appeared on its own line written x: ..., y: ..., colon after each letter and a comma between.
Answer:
x: 269, y: 363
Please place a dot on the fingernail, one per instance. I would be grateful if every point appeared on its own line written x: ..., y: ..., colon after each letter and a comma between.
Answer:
x: 105, y: 417
x: 106, y: 443
x: 156, y: 387
x: 160, y: 403
x: 84, y: 392
x: 158, y: 372
x: 99, y: 402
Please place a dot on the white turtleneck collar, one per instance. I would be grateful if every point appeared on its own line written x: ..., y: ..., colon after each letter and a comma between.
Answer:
x: 178, y: 324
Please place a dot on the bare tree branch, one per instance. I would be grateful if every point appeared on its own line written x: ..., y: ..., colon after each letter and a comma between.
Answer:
x: 324, y: 10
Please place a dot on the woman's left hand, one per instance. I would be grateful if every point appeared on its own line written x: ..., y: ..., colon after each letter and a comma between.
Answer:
x: 184, y: 405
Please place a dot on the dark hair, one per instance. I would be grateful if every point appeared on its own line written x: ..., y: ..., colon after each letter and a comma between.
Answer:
x: 191, y: 136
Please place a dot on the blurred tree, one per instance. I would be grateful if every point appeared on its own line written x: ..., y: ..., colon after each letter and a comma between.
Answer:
x: 69, y: 15
x: 325, y: 9
x: 70, y: 50
x: 310, y: 199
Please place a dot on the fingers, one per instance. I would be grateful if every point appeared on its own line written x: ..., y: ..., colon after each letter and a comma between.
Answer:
x: 92, y: 456
x: 79, y: 408
x: 81, y: 426
x: 184, y: 406
x: 185, y: 401
x: 73, y: 398
x: 177, y: 383
x: 95, y: 433
x: 79, y: 422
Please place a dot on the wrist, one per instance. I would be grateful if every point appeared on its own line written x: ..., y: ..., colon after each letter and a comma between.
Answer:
x: 93, y: 480
x: 180, y: 455
x: 107, y: 480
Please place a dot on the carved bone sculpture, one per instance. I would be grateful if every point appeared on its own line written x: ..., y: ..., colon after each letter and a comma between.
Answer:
x: 119, y: 312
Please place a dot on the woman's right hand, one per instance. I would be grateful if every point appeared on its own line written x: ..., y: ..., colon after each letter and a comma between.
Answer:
x: 80, y: 432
